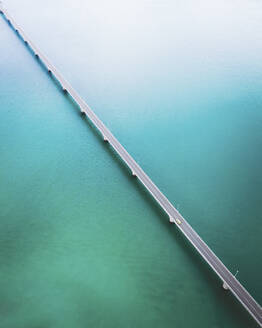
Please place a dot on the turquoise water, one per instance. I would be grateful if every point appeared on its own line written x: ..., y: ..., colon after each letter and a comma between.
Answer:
x: 81, y: 243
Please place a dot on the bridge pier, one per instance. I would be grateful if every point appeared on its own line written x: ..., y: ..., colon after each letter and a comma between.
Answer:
x: 133, y: 174
x: 105, y: 139
x: 36, y: 56
x: 171, y: 220
x: 82, y: 111
x: 225, y: 286
x: 64, y: 90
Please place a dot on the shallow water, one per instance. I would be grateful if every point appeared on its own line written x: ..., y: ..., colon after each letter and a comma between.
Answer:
x: 82, y: 243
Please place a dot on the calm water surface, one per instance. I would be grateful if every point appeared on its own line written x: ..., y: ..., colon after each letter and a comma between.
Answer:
x: 179, y: 83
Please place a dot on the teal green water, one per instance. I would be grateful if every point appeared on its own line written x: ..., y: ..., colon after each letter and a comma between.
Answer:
x: 81, y: 243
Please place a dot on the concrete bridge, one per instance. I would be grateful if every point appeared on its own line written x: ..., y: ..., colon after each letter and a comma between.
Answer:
x: 228, y: 279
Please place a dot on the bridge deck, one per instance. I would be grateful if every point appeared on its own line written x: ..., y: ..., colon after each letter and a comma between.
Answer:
x: 220, y: 269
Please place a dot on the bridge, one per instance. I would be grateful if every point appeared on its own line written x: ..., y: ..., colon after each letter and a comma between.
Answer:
x: 228, y: 279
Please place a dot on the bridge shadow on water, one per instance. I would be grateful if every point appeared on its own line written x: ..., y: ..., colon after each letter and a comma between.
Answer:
x: 225, y: 299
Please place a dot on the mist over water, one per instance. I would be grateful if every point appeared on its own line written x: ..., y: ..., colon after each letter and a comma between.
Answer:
x: 179, y: 84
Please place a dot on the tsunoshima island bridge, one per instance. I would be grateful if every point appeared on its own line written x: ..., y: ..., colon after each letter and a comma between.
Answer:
x: 228, y: 279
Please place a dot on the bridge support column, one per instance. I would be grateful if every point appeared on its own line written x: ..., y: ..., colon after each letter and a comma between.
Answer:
x: 105, y: 139
x: 36, y: 56
x: 225, y: 286
x: 133, y: 174
x: 64, y: 90
x: 171, y: 220
x: 82, y: 111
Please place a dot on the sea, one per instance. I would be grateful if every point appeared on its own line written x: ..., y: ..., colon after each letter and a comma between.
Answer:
x: 82, y: 243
